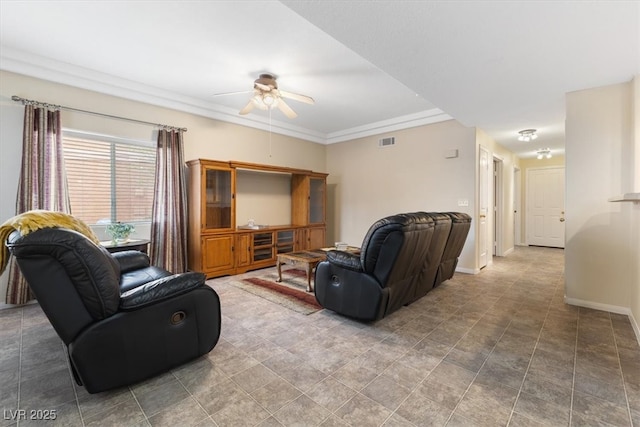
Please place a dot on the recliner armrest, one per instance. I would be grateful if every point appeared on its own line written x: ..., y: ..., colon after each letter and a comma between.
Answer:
x: 160, y: 289
x: 346, y: 260
x: 131, y: 260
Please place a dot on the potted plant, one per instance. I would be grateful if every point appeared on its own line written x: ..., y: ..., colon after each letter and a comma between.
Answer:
x: 120, y: 231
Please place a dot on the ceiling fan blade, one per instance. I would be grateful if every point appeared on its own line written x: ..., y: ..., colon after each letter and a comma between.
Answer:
x: 286, y: 109
x: 232, y: 93
x: 247, y: 108
x: 297, y: 97
x: 263, y: 87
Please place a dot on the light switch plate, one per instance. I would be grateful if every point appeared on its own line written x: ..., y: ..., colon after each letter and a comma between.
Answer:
x: 451, y: 154
x: 463, y: 202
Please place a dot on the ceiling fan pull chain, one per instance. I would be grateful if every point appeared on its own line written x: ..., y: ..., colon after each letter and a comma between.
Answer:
x: 269, y: 132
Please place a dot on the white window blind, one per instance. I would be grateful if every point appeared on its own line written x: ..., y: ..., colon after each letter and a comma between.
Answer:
x: 109, y: 180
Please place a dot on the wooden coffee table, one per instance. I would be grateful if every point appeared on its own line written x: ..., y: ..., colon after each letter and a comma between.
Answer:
x: 309, y: 258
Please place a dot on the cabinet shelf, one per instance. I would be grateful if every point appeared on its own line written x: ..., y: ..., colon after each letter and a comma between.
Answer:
x: 285, y: 237
x: 285, y: 241
x: 262, y: 239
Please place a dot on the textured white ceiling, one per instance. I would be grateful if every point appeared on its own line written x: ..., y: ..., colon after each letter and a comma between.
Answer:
x: 370, y: 66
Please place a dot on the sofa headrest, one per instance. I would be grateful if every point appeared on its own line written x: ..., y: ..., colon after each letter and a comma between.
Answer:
x: 459, y: 217
x: 389, y: 232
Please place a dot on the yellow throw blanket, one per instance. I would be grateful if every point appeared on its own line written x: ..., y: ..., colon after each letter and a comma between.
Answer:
x: 30, y: 221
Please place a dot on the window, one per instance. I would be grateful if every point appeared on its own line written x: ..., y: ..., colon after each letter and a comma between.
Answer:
x: 110, y: 179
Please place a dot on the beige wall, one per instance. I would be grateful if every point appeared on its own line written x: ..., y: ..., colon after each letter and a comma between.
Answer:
x: 264, y: 197
x: 525, y: 165
x: 367, y: 183
x: 206, y: 138
x: 601, y: 264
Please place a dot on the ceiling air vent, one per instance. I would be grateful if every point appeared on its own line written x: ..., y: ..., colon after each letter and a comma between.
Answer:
x: 387, y: 142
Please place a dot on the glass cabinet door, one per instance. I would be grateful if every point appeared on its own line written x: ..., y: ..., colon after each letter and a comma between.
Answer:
x: 262, y: 246
x: 219, y: 199
x: 316, y: 200
x: 285, y: 241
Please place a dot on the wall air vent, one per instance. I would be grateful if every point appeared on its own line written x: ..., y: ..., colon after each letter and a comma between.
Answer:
x: 387, y: 142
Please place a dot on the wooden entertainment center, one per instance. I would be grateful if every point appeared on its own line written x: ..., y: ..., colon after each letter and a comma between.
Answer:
x: 217, y: 247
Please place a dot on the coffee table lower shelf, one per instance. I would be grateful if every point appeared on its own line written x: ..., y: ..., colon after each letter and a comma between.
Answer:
x: 310, y: 259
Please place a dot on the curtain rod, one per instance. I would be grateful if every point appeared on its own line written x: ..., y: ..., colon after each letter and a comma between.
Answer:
x: 61, y: 107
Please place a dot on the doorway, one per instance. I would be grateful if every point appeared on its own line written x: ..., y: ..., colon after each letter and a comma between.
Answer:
x: 545, y: 206
x: 517, y: 206
x: 498, y: 204
x: 483, y: 208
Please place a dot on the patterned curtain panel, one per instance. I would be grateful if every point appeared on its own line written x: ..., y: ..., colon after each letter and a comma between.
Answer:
x: 43, y: 182
x: 168, y: 248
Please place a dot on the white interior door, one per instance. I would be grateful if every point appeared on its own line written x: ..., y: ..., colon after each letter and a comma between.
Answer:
x: 545, y: 207
x: 497, y: 211
x: 483, y: 209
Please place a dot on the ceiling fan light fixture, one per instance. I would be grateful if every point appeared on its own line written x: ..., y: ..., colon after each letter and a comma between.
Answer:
x: 269, y: 100
x: 265, y: 101
x: 257, y: 101
x: 527, y: 135
x: 267, y: 96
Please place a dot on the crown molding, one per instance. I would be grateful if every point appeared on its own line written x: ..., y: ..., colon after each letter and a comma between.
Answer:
x: 421, y: 118
x: 58, y: 72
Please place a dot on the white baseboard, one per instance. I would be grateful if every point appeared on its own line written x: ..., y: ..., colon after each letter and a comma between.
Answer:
x: 4, y: 306
x: 607, y: 307
x: 467, y: 270
x: 634, y: 324
x: 508, y: 251
x: 597, y: 306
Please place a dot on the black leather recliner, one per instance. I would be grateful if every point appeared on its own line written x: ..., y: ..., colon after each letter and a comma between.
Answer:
x: 121, y: 319
x: 402, y: 258
x: 382, y: 278
x: 427, y: 278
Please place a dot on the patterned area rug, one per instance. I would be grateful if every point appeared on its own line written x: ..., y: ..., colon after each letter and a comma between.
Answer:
x: 290, y: 293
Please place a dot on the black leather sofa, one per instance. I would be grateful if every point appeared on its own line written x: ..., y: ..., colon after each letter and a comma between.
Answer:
x: 121, y: 319
x: 402, y: 258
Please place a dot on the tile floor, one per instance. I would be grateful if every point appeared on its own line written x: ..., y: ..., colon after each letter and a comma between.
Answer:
x: 497, y: 348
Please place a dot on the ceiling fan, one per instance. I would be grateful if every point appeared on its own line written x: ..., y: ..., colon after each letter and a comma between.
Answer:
x: 266, y: 95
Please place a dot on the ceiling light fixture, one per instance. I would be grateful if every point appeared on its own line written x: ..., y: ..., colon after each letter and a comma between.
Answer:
x: 544, y: 153
x: 265, y: 101
x: 527, y: 135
